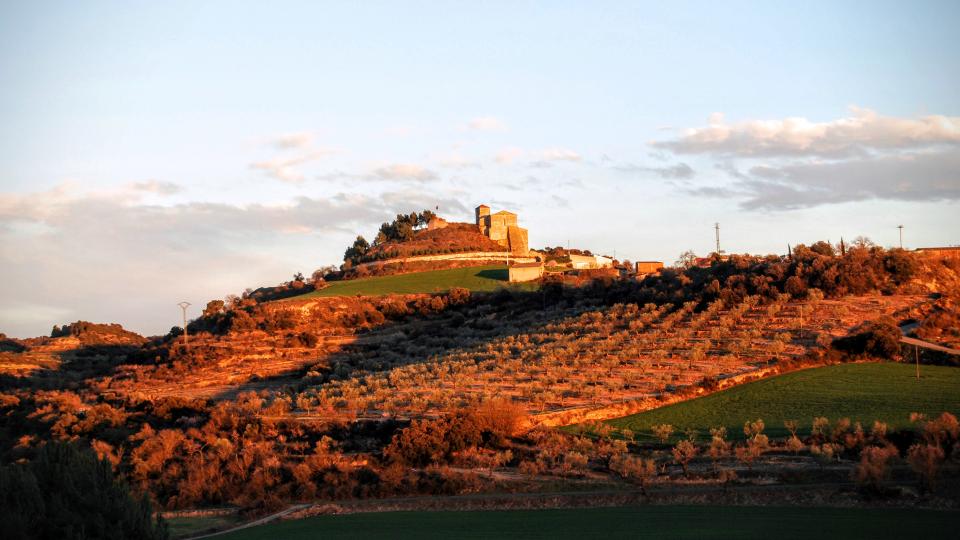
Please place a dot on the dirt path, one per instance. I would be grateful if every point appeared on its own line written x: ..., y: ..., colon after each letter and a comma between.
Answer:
x: 254, y: 523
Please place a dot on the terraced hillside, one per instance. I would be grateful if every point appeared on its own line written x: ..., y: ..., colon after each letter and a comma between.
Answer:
x: 556, y: 361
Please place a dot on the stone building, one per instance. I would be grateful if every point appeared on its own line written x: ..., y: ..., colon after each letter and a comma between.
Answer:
x: 589, y: 262
x: 648, y: 267
x: 519, y: 272
x: 502, y: 228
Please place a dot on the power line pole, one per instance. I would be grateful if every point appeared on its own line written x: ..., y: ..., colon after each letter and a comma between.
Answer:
x: 184, y: 306
x: 716, y: 226
x: 901, y: 235
x: 916, y: 356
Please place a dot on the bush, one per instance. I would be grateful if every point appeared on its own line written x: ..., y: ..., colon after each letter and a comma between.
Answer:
x: 880, y: 339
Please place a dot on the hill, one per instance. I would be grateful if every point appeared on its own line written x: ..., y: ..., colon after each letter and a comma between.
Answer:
x: 861, y: 392
x: 474, y: 278
x: 346, y: 397
x: 454, y: 238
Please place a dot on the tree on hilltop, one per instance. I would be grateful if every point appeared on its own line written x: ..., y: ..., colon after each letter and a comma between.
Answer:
x: 355, y: 252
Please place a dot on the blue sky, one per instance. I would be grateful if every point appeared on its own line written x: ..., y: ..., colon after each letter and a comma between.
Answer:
x: 182, y: 150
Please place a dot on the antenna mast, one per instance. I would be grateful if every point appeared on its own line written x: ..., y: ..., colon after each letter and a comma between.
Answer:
x: 184, y: 306
x: 716, y: 226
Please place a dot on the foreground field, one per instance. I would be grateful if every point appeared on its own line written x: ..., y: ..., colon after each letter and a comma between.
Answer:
x: 627, y: 522
x: 475, y: 278
x: 861, y: 392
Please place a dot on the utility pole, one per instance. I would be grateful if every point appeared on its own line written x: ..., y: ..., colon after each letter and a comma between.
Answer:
x: 916, y: 356
x: 183, y: 306
x: 901, y: 235
x: 716, y: 226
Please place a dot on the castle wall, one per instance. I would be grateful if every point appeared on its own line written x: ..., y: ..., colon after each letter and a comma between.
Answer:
x: 517, y: 240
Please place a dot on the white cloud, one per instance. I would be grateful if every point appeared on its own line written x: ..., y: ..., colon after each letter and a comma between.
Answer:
x: 286, y: 169
x: 404, y: 171
x: 293, y: 140
x: 456, y: 160
x: 508, y: 155
x: 486, y: 123
x: 862, y: 132
x: 157, y: 187
x: 559, y: 154
x: 680, y: 171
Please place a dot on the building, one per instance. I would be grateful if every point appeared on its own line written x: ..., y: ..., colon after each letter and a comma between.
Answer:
x: 603, y: 262
x: 648, y: 267
x: 589, y: 262
x: 502, y: 228
x: 950, y: 251
x: 519, y: 272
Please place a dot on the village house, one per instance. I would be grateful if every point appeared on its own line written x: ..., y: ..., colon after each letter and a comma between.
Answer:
x: 648, y: 267
x: 520, y: 272
x: 590, y: 262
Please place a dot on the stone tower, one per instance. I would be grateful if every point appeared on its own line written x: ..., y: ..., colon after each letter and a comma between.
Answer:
x: 483, y: 215
x: 502, y: 228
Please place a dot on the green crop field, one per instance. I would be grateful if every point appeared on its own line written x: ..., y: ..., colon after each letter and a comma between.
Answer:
x: 475, y: 278
x: 862, y: 392
x: 623, y: 522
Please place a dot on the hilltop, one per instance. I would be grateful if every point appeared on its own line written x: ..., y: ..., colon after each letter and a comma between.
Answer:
x: 452, y: 238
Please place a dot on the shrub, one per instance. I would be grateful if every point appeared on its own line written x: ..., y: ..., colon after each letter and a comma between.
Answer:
x: 880, y: 339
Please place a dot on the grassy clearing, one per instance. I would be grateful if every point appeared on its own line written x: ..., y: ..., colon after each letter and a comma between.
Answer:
x: 475, y: 278
x: 625, y: 522
x: 861, y: 392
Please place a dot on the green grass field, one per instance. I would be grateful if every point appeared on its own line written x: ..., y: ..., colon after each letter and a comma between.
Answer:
x: 861, y: 392
x: 475, y: 278
x: 625, y: 522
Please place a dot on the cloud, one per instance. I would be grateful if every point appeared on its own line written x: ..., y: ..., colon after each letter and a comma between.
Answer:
x: 286, y: 169
x: 914, y: 176
x: 550, y: 156
x: 559, y: 154
x: 289, y: 141
x: 404, y: 171
x: 157, y: 187
x: 508, y: 155
x: 456, y: 160
x: 66, y: 254
x: 680, y: 171
x: 486, y: 123
x: 863, y: 132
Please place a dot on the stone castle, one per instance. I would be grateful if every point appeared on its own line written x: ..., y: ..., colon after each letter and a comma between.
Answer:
x: 502, y: 228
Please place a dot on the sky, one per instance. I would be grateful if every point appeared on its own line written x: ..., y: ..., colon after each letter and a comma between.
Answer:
x: 157, y: 152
